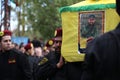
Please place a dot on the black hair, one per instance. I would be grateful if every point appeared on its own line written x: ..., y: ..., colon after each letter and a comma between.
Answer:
x: 21, y: 45
x: 36, y: 43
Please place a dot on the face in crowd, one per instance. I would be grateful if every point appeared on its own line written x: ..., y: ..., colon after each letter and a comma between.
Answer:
x: 29, y: 49
x: 5, y: 40
x: 58, y: 40
x: 57, y: 44
x: 6, y: 43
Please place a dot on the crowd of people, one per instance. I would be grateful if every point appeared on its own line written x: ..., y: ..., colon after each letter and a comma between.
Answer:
x: 30, y: 61
x: 34, y: 61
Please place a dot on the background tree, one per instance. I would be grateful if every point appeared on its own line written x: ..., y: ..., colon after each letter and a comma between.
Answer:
x: 42, y: 16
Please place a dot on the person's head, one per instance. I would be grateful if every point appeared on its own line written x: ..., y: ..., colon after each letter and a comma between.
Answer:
x: 13, y: 45
x: 21, y: 47
x: 37, y: 48
x: 91, y: 19
x: 36, y: 43
x: 5, y: 40
x: 49, y: 45
x: 16, y: 46
x: 29, y: 49
x: 58, y: 39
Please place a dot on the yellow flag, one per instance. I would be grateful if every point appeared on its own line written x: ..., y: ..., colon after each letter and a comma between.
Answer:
x: 74, y: 22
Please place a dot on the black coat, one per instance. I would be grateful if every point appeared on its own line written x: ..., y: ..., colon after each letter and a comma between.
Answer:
x: 14, y: 65
x: 69, y: 71
x: 102, y: 60
x: 45, y: 67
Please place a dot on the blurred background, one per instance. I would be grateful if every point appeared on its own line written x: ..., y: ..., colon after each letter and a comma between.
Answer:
x: 32, y: 18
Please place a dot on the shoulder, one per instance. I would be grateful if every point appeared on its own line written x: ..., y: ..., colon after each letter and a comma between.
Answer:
x: 17, y: 53
x: 104, y: 37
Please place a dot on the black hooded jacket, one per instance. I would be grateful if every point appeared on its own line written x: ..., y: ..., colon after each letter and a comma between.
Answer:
x: 102, y: 60
x: 14, y: 65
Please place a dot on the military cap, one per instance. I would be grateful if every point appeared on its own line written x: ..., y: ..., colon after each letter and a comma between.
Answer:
x: 58, y: 32
x: 50, y: 42
x: 5, y: 32
x: 28, y: 46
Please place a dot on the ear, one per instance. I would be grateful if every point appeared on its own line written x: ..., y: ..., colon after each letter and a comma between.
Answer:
x: 118, y: 6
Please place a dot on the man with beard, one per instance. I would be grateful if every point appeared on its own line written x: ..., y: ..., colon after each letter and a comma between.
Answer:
x: 92, y: 28
x: 50, y: 66
x: 54, y: 67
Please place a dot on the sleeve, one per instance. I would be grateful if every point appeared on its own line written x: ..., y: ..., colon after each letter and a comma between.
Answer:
x: 46, y: 67
x: 88, y: 65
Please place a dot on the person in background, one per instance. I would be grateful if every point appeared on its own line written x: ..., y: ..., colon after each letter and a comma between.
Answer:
x: 13, y: 64
x: 29, y: 52
x: 21, y: 47
x: 16, y: 46
x: 50, y: 66
x: 102, y: 60
x: 42, y: 42
x: 37, y: 48
x: 48, y: 46
x: 60, y: 67
x: 13, y: 45
x: 73, y: 70
x: 57, y: 45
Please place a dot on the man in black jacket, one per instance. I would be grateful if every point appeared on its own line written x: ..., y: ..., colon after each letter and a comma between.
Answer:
x: 14, y: 65
x: 102, y: 60
x: 50, y: 65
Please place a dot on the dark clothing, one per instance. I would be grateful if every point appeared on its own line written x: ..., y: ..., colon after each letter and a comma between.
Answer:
x: 74, y: 70
x: 14, y: 66
x: 31, y: 60
x: 102, y: 60
x: 38, y: 72
x: 60, y: 74
x: 45, y: 67
x: 69, y: 71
